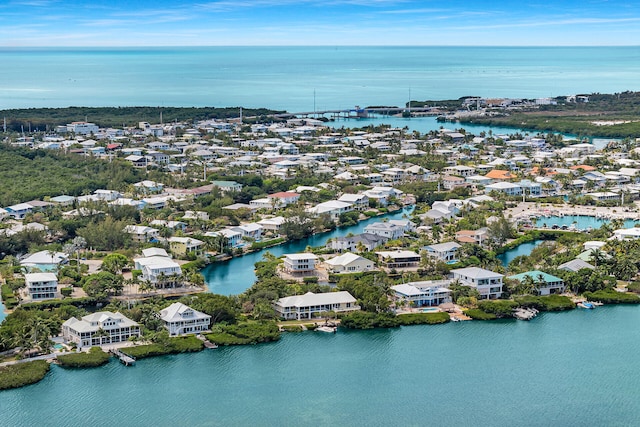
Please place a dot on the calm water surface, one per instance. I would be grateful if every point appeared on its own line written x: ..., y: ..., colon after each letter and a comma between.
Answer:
x: 567, y: 369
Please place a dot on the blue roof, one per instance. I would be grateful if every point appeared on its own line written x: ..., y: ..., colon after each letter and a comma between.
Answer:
x: 535, y: 275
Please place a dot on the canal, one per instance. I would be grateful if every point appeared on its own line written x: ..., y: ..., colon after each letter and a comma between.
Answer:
x: 234, y: 276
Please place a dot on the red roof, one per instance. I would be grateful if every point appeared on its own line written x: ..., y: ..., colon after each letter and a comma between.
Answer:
x: 113, y: 146
x: 283, y: 195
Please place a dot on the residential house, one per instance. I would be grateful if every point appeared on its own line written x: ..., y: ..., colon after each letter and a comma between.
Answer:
x: 333, y: 208
x: 44, y: 260
x: 479, y: 236
x: 227, y: 186
x: 159, y: 269
x: 424, y: 293
x: 508, y: 188
x: 312, y: 305
x: 301, y: 263
x: 360, y: 202
x: 398, y: 259
x: 103, y: 327
x: 41, y: 286
x: 142, y: 233
x: 544, y: 283
x: 486, y: 282
x: 575, y: 265
x: 183, y: 246
x: 180, y: 319
x: 251, y: 230
x: 445, y: 252
x: 357, y: 243
x: 349, y: 263
x: 385, y: 229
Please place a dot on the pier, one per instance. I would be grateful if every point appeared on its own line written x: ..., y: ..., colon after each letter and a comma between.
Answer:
x: 126, y: 360
x: 206, y: 342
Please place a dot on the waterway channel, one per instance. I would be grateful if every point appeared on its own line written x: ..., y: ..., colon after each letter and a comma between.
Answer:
x: 234, y: 276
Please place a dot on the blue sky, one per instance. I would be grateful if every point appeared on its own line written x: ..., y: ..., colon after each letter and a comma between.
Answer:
x: 312, y: 22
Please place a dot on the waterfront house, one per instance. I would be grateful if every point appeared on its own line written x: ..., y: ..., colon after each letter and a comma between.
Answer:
x: 398, y: 259
x: 182, y: 246
x: 360, y: 202
x: 180, y: 319
x: 227, y: 186
x: 312, y: 305
x: 233, y: 238
x: 349, y: 263
x: 333, y: 208
x: 103, y: 327
x: 424, y: 293
x: 41, y: 286
x: 487, y: 283
x: 627, y: 233
x: 272, y: 224
x: 544, y: 283
x: 252, y: 230
x: 445, y: 252
x: 302, y: 263
x: 385, y: 229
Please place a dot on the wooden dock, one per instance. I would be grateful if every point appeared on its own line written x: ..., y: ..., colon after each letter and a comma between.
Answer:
x: 126, y: 360
x: 206, y: 342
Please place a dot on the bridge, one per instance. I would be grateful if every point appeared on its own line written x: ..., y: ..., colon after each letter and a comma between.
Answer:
x: 356, y: 112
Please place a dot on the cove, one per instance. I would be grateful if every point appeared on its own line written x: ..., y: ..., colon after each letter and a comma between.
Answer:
x: 524, y: 249
x: 236, y: 275
x: 559, y: 369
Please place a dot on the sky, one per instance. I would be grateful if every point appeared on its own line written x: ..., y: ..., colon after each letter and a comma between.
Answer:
x: 313, y: 22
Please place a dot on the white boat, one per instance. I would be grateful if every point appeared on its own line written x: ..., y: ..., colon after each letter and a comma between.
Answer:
x: 331, y: 329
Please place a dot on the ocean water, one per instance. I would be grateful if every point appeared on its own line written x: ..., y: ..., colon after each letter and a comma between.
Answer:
x: 560, y: 369
x: 299, y: 78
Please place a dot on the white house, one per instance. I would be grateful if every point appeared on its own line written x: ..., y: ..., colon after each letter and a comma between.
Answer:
x: 159, y: 270
x: 252, y: 230
x: 446, y: 252
x: 115, y: 328
x: 142, y: 233
x: 333, y: 208
x: 398, y: 259
x: 180, y: 319
x: 488, y: 283
x: 300, y: 263
x: 360, y: 202
x: 312, y: 305
x: 424, y: 293
x: 385, y: 229
x: 349, y: 263
x: 44, y: 260
x: 41, y: 286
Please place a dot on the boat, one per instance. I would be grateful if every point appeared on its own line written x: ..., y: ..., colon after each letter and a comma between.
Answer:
x: 586, y: 304
x: 324, y: 328
x: 525, y: 313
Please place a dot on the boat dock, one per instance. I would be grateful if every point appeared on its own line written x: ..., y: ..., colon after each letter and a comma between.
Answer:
x: 126, y: 360
x: 206, y: 342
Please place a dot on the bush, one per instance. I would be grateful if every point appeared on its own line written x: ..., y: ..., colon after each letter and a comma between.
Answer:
x: 501, y: 308
x: 266, y: 243
x: 22, y: 374
x: 8, y: 298
x: 188, y: 344
x: 245, y: 333
x: 367, y: 320
x: 95, y: 357
x: 478, y: 314
x: 634, y: 287
x: 612, y: 297
x: 423, y: 318
x: 292, y: 328
x: 546, y: 303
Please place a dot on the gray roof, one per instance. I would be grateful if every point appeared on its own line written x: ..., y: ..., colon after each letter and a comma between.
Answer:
x: 575, y: 265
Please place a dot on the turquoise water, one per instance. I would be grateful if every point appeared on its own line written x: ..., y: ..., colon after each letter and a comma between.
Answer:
x: 562, y: 369
x: 523, y: 249
x: 236, y: 275
x: 580, y: 221
x: 287, y: 77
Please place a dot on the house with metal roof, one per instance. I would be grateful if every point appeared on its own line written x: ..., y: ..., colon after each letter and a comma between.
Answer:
x: 544, y: 283
x: 312, y: 305
x: 103, y: 327
x: 180, y: 319
x: 488, y: 283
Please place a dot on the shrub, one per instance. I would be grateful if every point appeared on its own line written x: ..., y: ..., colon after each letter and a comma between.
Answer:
x: 546, y: 303
x: 292, y: 328
x: 423, y: 318
x: 95, y: 357
x: 367, y: 320
x: 501, y: 308
x: 245, y: 333
x: 22, y: 374
x: 188, y: 344
x: 612, y: 297
x: 478, y: 314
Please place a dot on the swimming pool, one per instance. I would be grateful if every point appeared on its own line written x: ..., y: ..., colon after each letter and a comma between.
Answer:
x: 430, y: 310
